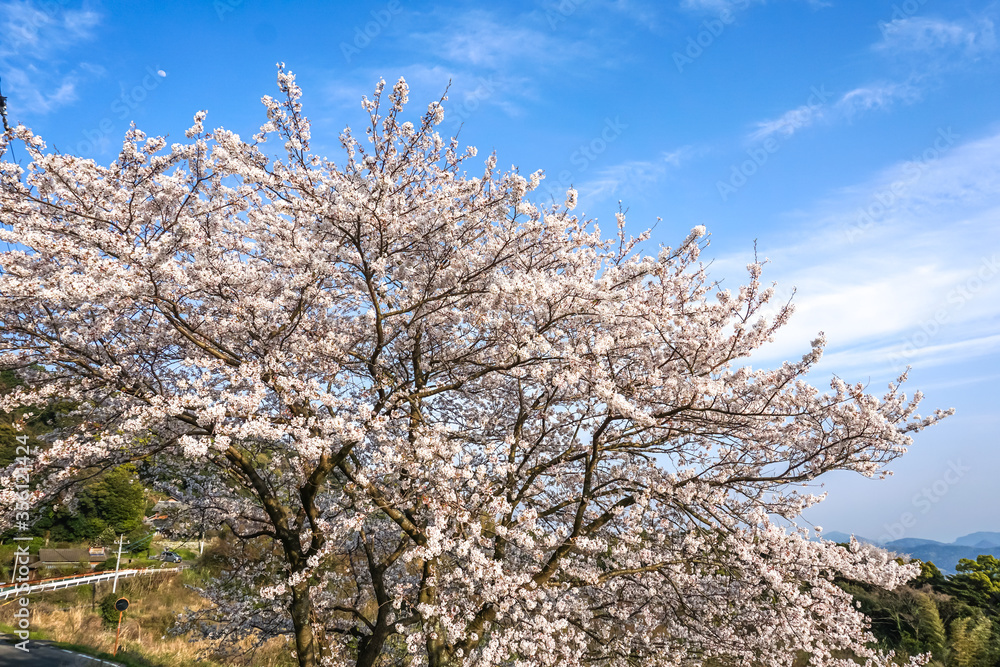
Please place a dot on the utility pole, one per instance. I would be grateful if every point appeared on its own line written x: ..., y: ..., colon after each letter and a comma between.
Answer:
x: 201, y: 535
x: 6, y: 128
x: 120, y: 542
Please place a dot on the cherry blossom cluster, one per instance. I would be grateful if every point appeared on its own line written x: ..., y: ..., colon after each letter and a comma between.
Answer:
x: 437, y: 419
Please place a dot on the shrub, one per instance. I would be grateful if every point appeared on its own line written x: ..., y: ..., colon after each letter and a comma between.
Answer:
x: 108, y: 612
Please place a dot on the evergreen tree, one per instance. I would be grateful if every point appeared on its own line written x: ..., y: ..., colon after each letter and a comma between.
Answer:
x: 113, y: 503
x: 971, y: 642
x: 931, y: 629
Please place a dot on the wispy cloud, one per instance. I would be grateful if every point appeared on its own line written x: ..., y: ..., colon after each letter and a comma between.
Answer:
x: 788, y: 123
x: 923, y: 34
x: 488, y: 61
x: 716, y: 5
x: 915, y: 291
x: 872, y: 97
x: 877, y: 96
x: 646, y: 13
x: 719, y: 5
x: 38, y: 33
x: 929, y: 47
x: 633, y: 174
x: 478, y: 38
x: 35, y: 38
x: 468, y: 92
x: 33, y: 91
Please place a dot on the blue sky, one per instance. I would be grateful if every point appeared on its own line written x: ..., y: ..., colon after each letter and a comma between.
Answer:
x: 857, y: 142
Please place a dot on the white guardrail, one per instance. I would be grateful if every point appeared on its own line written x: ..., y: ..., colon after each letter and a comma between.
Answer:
x: 56, y: 583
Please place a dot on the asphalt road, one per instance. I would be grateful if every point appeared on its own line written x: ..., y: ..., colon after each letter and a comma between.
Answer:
x: 42, y: 654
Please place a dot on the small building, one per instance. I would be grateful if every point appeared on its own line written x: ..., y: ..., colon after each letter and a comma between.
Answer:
x: 64, y: 558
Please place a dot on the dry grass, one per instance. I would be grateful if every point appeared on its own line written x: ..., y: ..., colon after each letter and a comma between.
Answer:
x: 67, y: 616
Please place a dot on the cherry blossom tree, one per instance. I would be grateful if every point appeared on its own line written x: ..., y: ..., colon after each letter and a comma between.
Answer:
x: 449, y: 426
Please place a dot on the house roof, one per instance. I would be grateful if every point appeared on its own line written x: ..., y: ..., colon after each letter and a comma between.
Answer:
x: 69, y: 556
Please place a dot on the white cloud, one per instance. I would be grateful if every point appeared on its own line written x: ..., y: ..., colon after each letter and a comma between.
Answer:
x: 633, y: 174
x: 468, y: 92
x: 479, y: 39
x: 876, y: 97
x: 789, y: 122
x: 920, y: 283
x: 923, y: 34
x: 36, y: 33
x: 719, y: 5
x: 613, y: 180
x: 22, y: 87
x: 644, y: 12
x: 30, y: 54
x: 931, y: 47
x: 873, y: 97
x: 675, y: 157
x: 960, y: 382
x: 480, y: 55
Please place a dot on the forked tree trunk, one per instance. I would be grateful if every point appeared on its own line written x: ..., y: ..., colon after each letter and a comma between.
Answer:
x: 371, y: 647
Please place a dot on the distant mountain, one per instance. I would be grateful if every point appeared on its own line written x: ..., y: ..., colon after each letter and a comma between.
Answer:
x: 837, y: 536
x: 912, y: 543
x: 944, y: 556
x: 980, y: 539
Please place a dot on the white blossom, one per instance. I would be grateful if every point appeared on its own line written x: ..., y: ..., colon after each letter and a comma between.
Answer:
x: 427, y: 406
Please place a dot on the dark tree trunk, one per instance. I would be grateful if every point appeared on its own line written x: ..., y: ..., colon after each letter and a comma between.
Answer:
x: 371, y: 648
x: 305, y: 641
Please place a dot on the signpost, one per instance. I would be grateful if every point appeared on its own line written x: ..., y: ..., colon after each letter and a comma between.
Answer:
x: 121, y: 604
